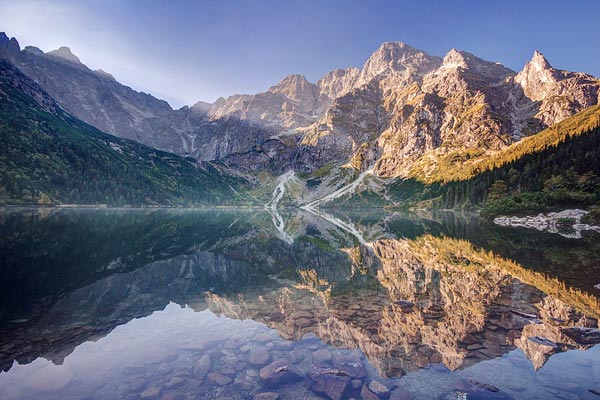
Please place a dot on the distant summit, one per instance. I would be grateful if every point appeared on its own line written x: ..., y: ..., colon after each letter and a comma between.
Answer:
x: 65, y: 54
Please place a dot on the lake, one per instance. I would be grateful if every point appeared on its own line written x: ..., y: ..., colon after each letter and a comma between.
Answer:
x: 224, y: 304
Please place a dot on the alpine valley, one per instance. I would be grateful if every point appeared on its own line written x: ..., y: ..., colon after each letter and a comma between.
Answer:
x: 408, y: 129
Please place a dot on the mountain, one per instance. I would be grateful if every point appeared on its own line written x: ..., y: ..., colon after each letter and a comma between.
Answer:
x: 96, y: 98
x: 560, y: 92
x: 553, y: 169
x: 404, y: 113
x: 405, y: 104
x: 47, y: 157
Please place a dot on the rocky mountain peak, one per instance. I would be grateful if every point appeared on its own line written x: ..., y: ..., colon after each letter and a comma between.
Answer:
x: 3, y: 39
x: 66, y: 54
x: 467, y: 61
x: 296, y: 87
x: 291, y: 84
x: 33, y: 50
x: 203, y: 107
x: 338, y: 82
x: 539, y: 62
x: 455, y: 58
x: 10, y: 46
x: 398, y: 57
x: 537, y: 77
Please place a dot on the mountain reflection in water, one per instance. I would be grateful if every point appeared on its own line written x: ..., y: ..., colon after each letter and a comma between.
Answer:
x: 192, y: 304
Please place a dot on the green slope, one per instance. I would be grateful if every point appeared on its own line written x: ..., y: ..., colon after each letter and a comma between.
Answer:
x: 465, y: 164
x: 49, y: 157
x: 556, y: 168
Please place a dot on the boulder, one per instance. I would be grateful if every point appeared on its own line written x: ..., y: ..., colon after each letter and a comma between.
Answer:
x: 216, y: 378
x: 350, y: 364
x: 322, y: 358
x: 150, y: 393
x: 328, y: 382
x: 379, y: 389
x: 367, y: 394
x: 266, y: 396
x: 279, y: 372
x: 259, y: 357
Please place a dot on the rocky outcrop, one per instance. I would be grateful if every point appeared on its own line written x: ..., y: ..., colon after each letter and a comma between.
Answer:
x: 338, y: 82
x: 292, y: 103
x: 566, y: 223
x: 64, y: 53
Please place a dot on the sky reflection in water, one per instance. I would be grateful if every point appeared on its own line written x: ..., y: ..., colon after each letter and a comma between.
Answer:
x: 125, y: 304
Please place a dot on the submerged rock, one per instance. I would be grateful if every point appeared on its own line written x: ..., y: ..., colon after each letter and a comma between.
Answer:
x: 367, y: 394
x: 554, y: 222
x: 216, y: 378
x: 331, y: 383
x: 150, y: 393
x: 322, y: 358
x: 266, y: 396
x: 279, y: 372
x: 485, y: 386
x: 350, y: 364
x: 379, y: 389
x: 202, y: 367
x: 259, y: 357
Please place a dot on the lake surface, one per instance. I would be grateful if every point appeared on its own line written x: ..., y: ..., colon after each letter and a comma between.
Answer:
x: 189, y: 304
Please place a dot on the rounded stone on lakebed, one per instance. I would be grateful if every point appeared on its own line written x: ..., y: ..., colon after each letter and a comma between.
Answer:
x: 379, y: 389
x: 367, y: 394
x: 259, y: 357
x: 322, y: 357
x: 331, y: 383
x: 266, y: 396
x: 202, y: 367
x: 150, y: 393
x: 216, y: 378
x: 279, y: 372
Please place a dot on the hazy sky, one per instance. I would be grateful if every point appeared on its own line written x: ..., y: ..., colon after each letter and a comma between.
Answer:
x: 185, y: 51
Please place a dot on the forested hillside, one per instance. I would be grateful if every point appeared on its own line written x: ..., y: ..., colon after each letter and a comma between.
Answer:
x: 50, y: 157
x: 559, y: 167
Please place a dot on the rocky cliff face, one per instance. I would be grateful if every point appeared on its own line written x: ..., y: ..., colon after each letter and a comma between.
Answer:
x: 401, y: 106
x: 559, y: 93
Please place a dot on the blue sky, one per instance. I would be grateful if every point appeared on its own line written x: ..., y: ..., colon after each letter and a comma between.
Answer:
x: 184, y: 51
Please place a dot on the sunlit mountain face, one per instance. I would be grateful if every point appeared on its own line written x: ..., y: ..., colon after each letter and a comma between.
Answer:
x: 180, y: 304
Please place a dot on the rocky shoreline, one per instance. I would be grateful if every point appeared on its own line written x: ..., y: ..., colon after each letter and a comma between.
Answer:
x: 566, y: 223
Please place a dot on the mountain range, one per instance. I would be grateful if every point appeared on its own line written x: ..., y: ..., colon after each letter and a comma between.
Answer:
x: 395, y: 117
